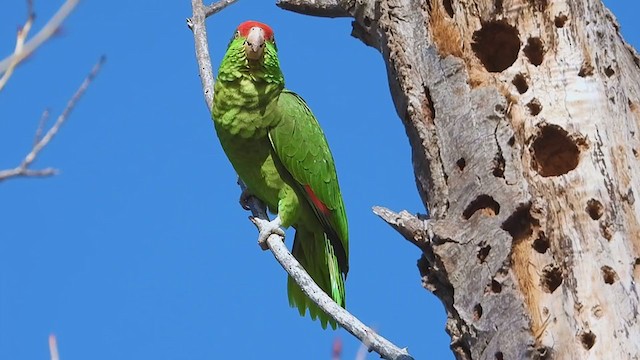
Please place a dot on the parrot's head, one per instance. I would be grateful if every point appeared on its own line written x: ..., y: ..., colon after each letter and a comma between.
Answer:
x: 256, y: 39
x: 252, y: 51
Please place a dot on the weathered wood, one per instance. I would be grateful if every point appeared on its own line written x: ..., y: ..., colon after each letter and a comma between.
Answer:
x: 523, y: 118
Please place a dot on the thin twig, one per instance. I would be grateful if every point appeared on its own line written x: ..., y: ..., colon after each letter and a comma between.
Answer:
x: 43, y: 120
x: 23, y: 32
x: 43, y: 35
x: 23, y: 170
x: 53, y: 347
x: 376, y: 343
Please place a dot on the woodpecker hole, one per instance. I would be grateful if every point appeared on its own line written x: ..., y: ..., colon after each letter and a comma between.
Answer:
x: 560, y: 20
x: 483, y: 253
x: 609, y: 275
x: 534, y: 50
x: 477, y: 312
x: 609, y: 71
x: 541, y: 243
x: 553, y: 152
x: 520, y: 82
x: 461, y: 163
x: 534, y: 107
x: 448, y: 7
x: 595, y: 209
x: 518, y: 225
x: 512, y: 141
x: 499, y: 355
x: 484, y: 203
x: 588, y: 339
x: 497, y: 45
x: 551, y: 278
x: 496, y: 287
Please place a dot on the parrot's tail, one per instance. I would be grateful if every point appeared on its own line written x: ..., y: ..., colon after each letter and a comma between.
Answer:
x: 315, y: 253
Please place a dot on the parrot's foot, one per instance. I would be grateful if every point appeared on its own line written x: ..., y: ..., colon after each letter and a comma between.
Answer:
x: 267, y: 228
x: 244, y: 199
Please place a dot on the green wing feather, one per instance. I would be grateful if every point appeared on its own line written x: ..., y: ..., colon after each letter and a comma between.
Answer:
x: 301, y: 147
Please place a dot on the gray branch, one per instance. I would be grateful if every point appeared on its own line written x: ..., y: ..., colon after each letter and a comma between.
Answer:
x: 325, y: 8
x: 375, y: 342
x: 217, y: 6
x: 413, y: 229
x: 199, y: 29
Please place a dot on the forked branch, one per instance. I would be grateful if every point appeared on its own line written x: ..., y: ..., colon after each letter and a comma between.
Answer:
x: 375, y: 342
x: 40, y: 142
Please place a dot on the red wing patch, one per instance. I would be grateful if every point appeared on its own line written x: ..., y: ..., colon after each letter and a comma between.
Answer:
x: 246, y: 26
x: 316, y: 202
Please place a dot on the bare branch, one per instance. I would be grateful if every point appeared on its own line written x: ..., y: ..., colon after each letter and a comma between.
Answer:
x: 199, y: 29
x: 377, y: 343
x: 324, y: 8
x: 43, y: 35
x: 217, y: 7
x: 408, y: 225
x: 23, y: 170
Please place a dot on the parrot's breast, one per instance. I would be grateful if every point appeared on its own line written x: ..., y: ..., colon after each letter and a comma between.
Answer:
x: 241, y: 113
x: 242, y: 106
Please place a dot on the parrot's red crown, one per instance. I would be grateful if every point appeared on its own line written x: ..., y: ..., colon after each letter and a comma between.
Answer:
x: 246, y: 26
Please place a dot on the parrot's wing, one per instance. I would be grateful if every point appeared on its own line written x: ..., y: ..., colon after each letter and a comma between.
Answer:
x: 300, y: 145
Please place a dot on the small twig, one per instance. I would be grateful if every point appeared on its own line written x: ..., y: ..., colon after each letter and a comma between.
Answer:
x: 23, y: 170
x: 43, y: 120
x: 376, y: 343
x: 43, y: 35
x: 53, y: 347
x: 23, y: 32
x: 217, y: 7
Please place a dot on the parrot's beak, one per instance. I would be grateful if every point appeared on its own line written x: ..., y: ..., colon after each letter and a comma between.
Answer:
x: 254, y: 45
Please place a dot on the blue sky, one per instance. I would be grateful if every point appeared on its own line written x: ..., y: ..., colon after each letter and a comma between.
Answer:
x: 138, y: 249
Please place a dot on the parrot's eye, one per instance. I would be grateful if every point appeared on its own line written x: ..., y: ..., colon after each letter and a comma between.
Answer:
x: 236, y: 35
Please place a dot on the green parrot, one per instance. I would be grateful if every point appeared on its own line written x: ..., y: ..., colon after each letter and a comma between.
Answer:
x: 276, y: 146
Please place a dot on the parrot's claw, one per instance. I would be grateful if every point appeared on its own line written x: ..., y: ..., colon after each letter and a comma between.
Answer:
x: 267, y: 228
x: 244, y: 199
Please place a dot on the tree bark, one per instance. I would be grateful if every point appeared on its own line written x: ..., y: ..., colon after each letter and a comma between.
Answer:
x: 523, y: 119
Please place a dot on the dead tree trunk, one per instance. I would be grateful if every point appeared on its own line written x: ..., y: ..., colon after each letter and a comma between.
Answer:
x: 523, y: 117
